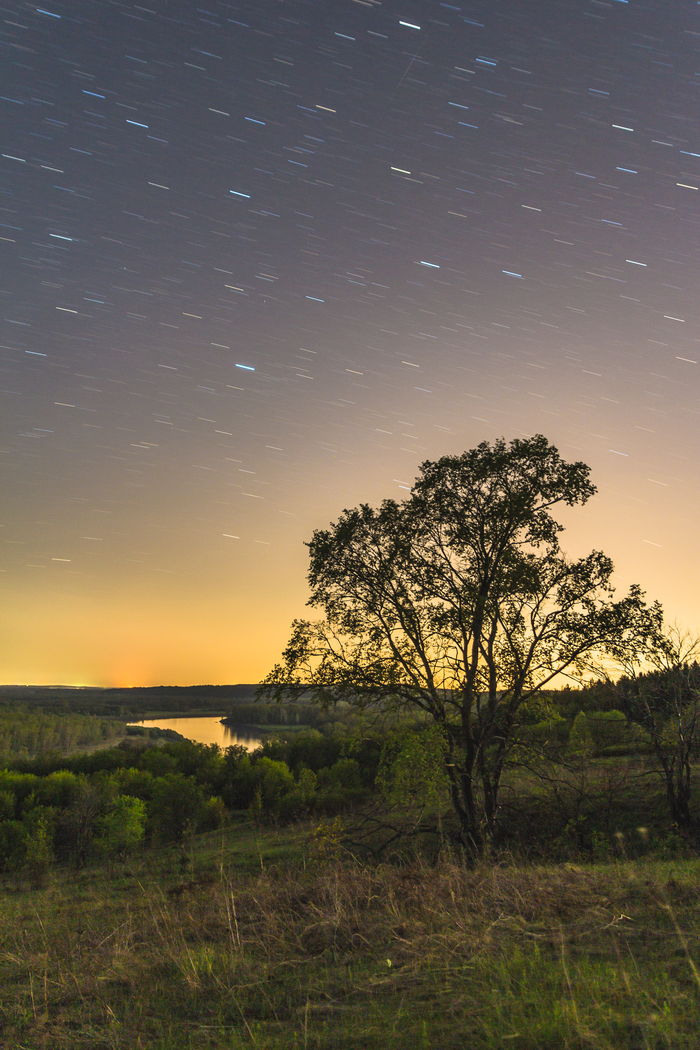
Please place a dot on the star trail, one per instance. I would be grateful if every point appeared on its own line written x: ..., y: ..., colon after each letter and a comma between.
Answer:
x: 261, y: 260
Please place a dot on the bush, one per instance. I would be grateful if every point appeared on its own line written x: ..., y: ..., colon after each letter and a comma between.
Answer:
x: 412, y: 770
x: 552, y: 734
x: 38, y: 851
x: 12, y: 835
x: 581, y: 736
x: 76, y: 823
x: 59, y: 789
x: 121, y: 828
x: 609, y: 729
x: 138, y: 783
x: 176, y: 809
x: 273, y: 782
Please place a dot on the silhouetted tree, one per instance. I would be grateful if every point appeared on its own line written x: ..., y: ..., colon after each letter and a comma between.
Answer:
x: 459, y: 602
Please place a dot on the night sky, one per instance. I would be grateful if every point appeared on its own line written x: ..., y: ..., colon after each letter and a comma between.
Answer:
x: 261, y: 260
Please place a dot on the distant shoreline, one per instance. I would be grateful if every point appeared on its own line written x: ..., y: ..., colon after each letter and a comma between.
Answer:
x: 262, y: 729
x: 245, y: 729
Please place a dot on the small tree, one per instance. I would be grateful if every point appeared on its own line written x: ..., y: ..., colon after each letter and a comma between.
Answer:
x: 176, y: 808
x: 459, y: 603
x: 38, y: 844
x: 121, y: 828
x: 665, y: 703
x: 581, y: 737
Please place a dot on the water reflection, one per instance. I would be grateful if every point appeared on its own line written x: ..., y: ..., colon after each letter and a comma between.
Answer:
x: 205, y: 731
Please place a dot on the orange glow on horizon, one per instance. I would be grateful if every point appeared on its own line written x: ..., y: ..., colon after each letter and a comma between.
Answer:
x: 229, y: 621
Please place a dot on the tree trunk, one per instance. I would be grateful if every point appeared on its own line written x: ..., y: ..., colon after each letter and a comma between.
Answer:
x: 680, y: 804
x: 466, y: 808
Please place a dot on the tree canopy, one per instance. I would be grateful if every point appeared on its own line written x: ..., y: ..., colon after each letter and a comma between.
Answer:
x: 458, y: 602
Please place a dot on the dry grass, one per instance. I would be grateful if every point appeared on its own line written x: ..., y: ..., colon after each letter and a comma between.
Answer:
x: 337, y: 954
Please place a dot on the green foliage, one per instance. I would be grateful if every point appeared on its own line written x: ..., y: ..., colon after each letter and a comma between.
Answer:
x: 611, y: 730
x: 138, y: 783
x: 306, y: 785
x: 281, y: 715
x: 121, y: 828
x: 59, y: 789
x: 581, y: 737
x: 273, y: 784
x: 412, y: 770
x: 159, y: 762
x: 255, y: 947
x: 12, y: 836
x: 77, y: 821
x: 344, y: 775
x: 551, y: 735
x: 38, y: 851
x: 176, y: 809
x: 213, y: 815
x: 132, y: 704
x: 7, y: 805
x: 542, y: 706
x: 389, y: 788
x: 18, y: 785
x: 664, y: 703
x: 326, y: 841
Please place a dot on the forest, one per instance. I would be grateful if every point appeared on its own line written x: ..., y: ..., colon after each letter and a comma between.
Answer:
x: 132, y: 704
x: 26, y: 731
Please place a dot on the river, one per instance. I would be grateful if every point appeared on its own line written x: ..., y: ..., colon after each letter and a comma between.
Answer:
x: 205, y: 731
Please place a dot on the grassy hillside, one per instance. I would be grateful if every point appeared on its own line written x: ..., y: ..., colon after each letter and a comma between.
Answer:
x: 277, y: 939
x: 307, y: 895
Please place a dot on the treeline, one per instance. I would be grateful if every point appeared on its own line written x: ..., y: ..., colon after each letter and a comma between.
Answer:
x: 552, y: 719
x: 25, y: 733
x: 550, y: 726
x: 294, y: 714
x: 134, y: 703
x: 376, y: 791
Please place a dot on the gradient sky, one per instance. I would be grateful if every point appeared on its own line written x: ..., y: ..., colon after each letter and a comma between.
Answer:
x: 262, y: 259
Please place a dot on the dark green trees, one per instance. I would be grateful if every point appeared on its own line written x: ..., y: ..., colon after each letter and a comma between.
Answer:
x: 459, y: 603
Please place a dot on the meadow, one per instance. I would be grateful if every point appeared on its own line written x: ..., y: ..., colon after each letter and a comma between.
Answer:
x: 165, y: 894
x: 246, y: 937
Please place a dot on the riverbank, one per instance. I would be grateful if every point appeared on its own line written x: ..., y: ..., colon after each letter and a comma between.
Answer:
x: 253, y: 938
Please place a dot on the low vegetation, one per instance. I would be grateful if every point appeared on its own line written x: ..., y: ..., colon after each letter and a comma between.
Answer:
x: 581, y: 780
x: 247, y: 937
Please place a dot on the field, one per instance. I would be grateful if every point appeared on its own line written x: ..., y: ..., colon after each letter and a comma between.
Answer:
x: 277, y: 939
x: 163, y: 894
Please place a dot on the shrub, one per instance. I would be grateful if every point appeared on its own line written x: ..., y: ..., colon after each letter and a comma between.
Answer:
x: 581, y: 736
x: 176, y: 809
x: 121, y: 828
x: 609, y: 729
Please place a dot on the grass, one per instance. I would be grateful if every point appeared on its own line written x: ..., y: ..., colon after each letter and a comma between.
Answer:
x: 266, y: 940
